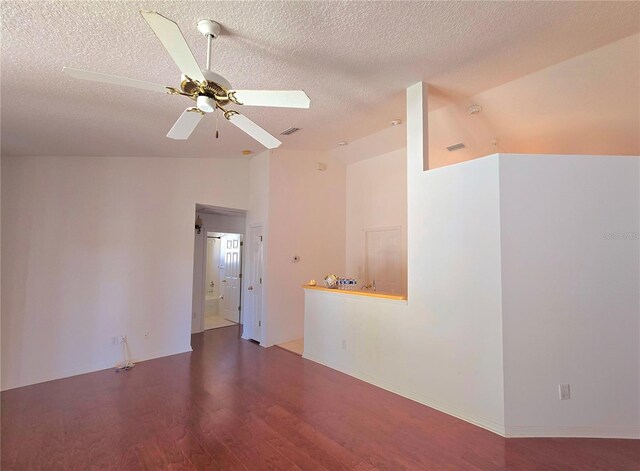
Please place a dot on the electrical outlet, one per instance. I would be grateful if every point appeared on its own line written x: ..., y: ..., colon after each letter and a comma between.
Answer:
x: 565, y: 392
x: 114, y: 340
x: 123, y: 339
x: 344, y: 344
x: 146, y: 335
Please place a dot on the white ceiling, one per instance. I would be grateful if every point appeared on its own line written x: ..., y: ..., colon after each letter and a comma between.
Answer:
x: 354, y: 59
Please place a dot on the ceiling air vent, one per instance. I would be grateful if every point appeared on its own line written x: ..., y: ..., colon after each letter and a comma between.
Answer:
x: 289, y: 131
x: 458, y: 146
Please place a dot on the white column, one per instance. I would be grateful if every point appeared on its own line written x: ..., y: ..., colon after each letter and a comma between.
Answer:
x: 417, y: 127
x: 417, y: 162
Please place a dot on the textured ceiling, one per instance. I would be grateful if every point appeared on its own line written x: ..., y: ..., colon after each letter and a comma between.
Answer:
x: 354, y: 59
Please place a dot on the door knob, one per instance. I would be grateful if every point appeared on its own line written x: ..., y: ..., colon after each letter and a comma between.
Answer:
x: 250, y: 288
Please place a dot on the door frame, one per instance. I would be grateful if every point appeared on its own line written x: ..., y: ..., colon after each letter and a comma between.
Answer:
x: 203, y: 288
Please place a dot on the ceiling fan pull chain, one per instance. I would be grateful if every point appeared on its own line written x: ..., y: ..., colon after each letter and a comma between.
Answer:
x: 217, y: 135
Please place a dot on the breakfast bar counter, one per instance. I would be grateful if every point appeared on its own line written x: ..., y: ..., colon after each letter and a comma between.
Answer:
x: 368, y: 293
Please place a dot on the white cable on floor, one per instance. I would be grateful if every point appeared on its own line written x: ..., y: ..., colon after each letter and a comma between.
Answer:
x: 125, y: 364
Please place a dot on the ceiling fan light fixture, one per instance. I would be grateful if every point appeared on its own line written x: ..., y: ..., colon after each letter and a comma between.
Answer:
x: 206, y: 104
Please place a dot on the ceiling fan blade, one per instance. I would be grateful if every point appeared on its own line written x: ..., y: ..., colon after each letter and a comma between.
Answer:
x: 186, y: 123
x: 251, y: 128
x: 113, y: 79
x: 171, y: 38
x: 280, y: 98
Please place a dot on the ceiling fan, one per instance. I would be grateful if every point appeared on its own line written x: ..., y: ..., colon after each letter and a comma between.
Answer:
x: 209, y: 90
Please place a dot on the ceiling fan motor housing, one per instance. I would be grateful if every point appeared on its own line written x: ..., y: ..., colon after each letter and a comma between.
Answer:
x: 216, y: 86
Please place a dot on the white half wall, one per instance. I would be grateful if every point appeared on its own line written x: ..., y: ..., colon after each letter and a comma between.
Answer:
x: 571, y: 303
x: 443, y: 347
x: 455, y: 287
x: 523, y: 274
x: 94, y: 248
x: 454, y: 284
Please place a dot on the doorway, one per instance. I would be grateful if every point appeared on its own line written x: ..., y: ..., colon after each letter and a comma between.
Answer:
x: 222, y: 280
x: 217, y: 268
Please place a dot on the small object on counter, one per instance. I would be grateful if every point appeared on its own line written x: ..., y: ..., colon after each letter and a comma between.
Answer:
x: 331, y: 281
x: 346, y: 284
x: 311, y: 283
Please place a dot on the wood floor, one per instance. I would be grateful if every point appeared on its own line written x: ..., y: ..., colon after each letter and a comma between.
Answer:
x: 232, y: 404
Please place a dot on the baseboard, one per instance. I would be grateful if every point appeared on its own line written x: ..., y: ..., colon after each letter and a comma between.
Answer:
x: 419, y: 398
x: 153, y: 356
x: 629, y: 432
x: 71, y: 372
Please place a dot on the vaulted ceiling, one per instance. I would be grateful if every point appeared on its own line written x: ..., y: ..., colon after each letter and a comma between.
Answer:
x: 354, y: 59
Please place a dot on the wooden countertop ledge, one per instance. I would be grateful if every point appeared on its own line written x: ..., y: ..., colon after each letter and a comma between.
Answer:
x: 371, y: 294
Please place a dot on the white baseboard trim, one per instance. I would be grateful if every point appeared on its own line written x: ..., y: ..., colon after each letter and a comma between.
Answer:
x: 421, y: 399
x: 628, y: 432
x: 68, y: 373
x: 525, y: 431
x: 153, y: 356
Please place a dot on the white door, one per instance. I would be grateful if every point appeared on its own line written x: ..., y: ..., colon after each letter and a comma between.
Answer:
x: 230, y: 254
x: 383, y: 262
x: 253, y: 292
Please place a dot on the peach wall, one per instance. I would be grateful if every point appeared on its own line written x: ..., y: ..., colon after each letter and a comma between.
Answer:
x: 585, y: 105
x: 588, y: 104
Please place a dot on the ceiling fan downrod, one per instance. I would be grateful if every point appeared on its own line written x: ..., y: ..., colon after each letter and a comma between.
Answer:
x: 211, y: 30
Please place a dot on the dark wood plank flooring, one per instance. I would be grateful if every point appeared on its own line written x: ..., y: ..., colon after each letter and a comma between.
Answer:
x: 232, y: 404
